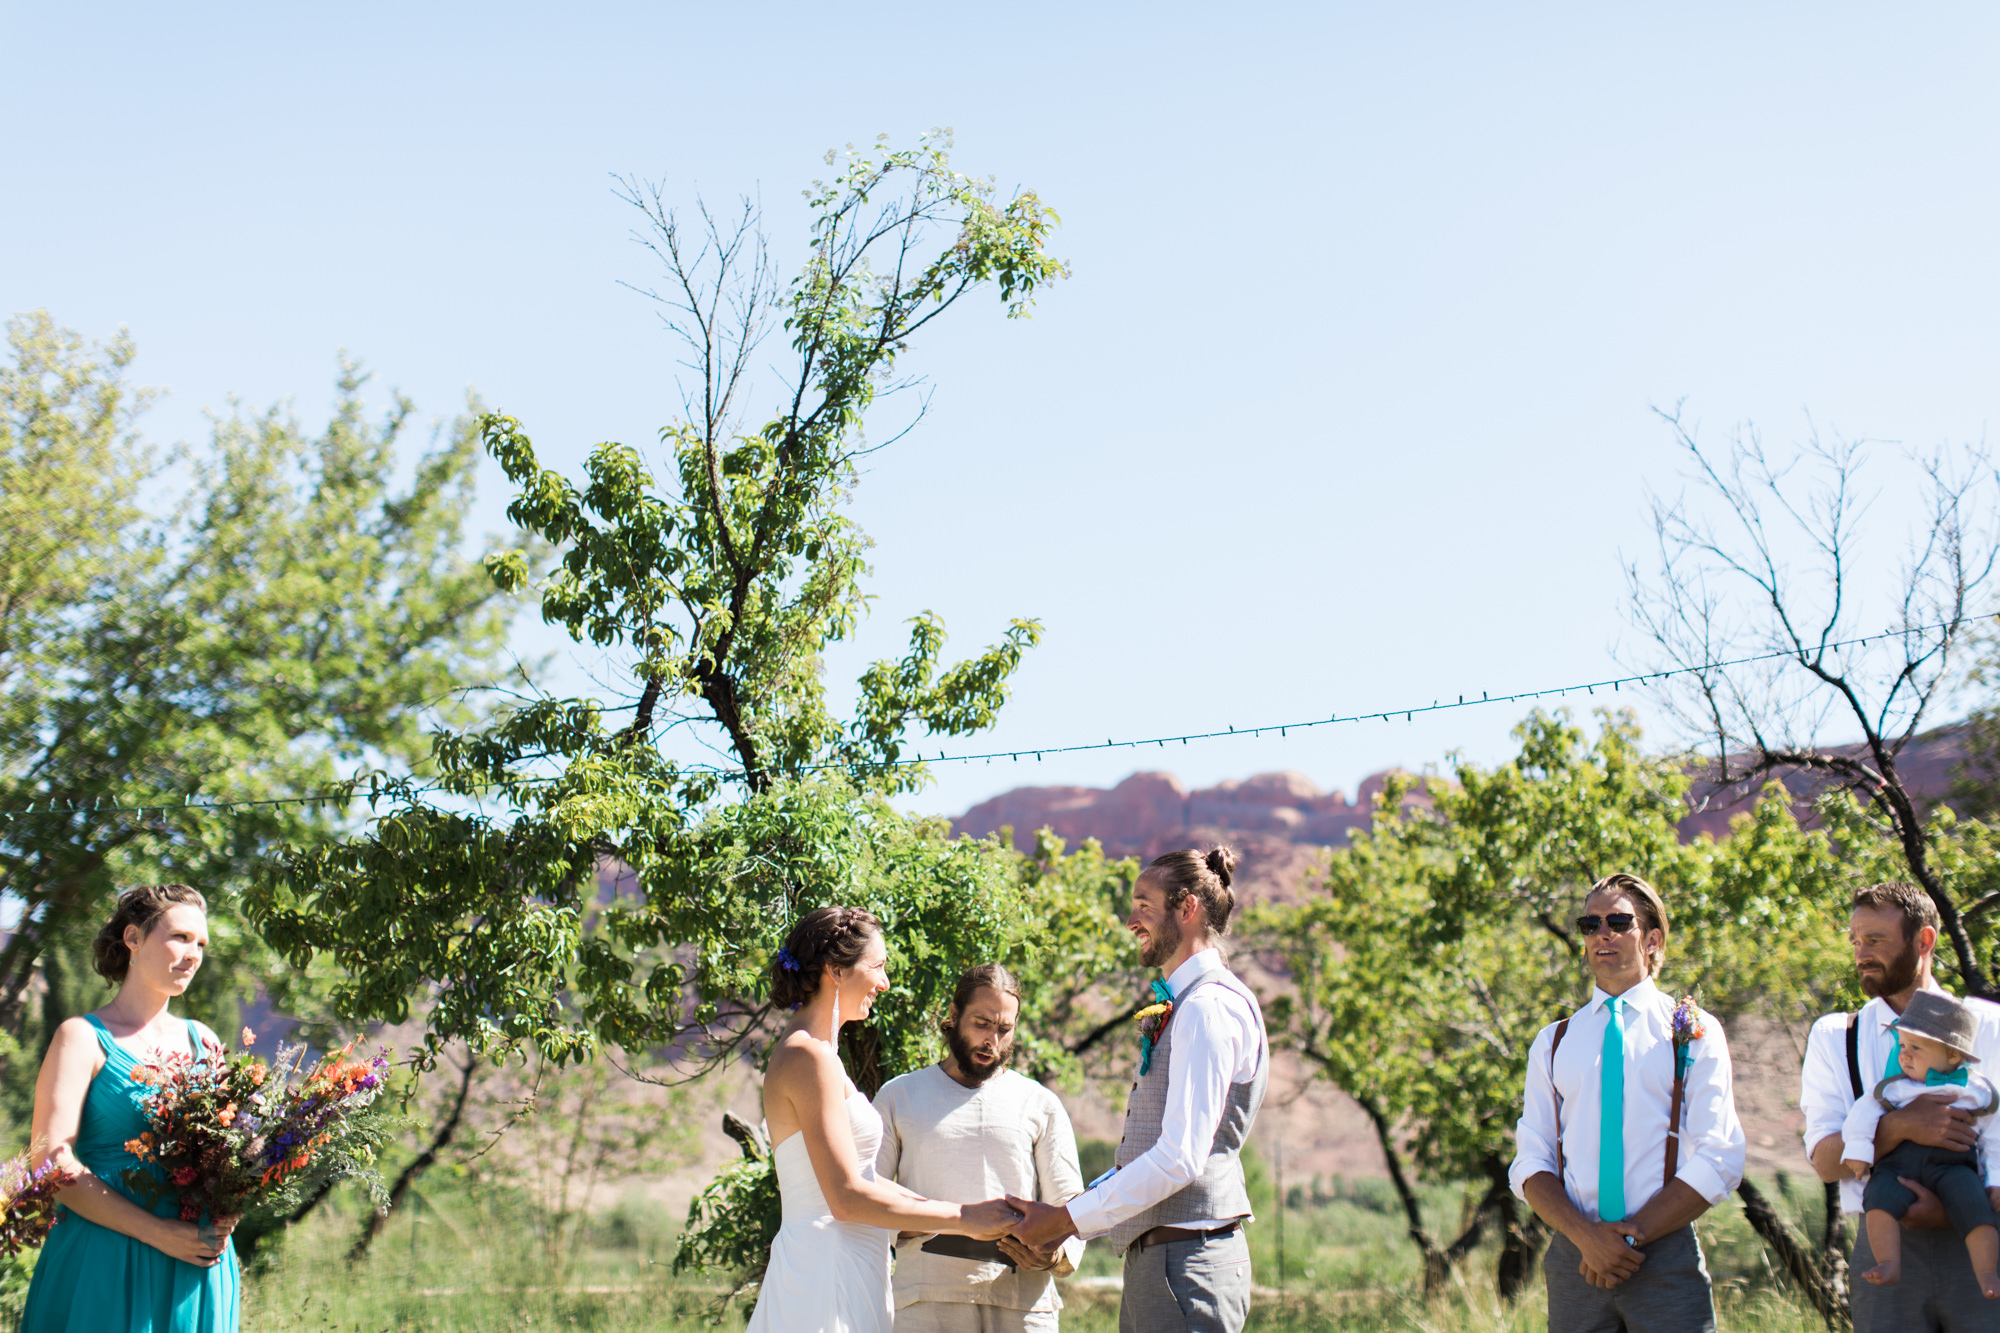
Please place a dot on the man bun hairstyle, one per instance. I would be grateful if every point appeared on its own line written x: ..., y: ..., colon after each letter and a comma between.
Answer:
x: 973, y: 980
x: 142, y: 907
x: 1906, y: 900
x: 1652, y: 912
x: 1205, y: 875
x: 824, y: 937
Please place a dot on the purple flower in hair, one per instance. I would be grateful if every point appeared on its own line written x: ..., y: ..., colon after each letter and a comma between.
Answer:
x: 786, y: 961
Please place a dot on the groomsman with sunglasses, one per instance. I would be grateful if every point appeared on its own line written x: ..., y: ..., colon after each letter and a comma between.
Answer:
x: 1628, y: 1133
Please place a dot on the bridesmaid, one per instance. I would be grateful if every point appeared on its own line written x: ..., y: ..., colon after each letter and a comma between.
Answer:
x: 111, y: 1265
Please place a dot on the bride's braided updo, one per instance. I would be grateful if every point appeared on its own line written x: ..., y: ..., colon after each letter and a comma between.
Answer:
x: 825, y: 937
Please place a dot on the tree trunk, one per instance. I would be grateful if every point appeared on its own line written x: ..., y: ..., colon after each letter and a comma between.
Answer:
x: 862, y: 1046
x: 372, y: 1228
x: 1521, y: 1237
x: 1795, y: 1256
x: 1836, y: 1246
x: 1438, y: 1261
x: 249, y: 1237
x: 1910, y: 833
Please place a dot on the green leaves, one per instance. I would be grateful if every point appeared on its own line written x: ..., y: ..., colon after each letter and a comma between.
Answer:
x: 562, y: 881
x: 296, y: 618
x: 1441, y: 943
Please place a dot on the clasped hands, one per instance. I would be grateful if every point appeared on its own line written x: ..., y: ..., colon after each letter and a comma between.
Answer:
x: 993, y: 1220
x: 1043, y: 1226
x: 193, y: 1243
x: 1610, y: 1253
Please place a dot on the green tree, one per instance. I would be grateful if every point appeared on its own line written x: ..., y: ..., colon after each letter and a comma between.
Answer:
x: 718, y: 593
x: 293, y: 619
x: 1441, y: 945
x: 1054, y: 917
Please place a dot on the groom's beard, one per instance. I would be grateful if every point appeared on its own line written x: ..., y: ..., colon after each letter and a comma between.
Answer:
x: 973, y: 1070
x: 1165, y: 944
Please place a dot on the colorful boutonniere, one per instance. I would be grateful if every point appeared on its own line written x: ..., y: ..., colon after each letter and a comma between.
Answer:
x: 1152, y: 1020
x: 1687, y: 1029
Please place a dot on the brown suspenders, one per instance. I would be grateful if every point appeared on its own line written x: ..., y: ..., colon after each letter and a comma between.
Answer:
x: 1673, y: 1114
x: 1674, y: 1124
x: 1555, y: 1045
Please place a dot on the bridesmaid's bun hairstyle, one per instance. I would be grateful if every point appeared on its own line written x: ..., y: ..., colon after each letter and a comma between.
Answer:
x: 823, y: 938
x: 142, y: 907
x: 1206, y: 876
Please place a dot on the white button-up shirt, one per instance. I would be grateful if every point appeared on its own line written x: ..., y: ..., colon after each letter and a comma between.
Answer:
x: 1567, y: 1106
x: 1215, y: 1045
x: 1826, y: 1094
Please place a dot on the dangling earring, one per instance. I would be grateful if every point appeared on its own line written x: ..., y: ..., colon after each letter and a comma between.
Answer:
x: 836, y: 1015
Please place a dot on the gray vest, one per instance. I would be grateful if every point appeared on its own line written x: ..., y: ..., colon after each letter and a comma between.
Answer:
x: 1218, y: 1191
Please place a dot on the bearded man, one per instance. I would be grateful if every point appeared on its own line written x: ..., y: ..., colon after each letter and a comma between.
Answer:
x: 966, y: 1129
x: 1893, y: 931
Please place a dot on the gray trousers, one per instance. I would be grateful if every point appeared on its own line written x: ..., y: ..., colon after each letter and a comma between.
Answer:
x: 1938, y: 1293
x: 1195, y: 1286
x: 1669, y: 1293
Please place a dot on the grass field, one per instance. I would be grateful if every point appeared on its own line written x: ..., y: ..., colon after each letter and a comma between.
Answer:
x: 476, y: 1259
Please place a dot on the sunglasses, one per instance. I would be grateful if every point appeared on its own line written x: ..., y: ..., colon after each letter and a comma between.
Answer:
x: 1620, y: 922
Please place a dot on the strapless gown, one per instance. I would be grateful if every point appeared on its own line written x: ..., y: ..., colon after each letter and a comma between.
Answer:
x: 825, y: 1276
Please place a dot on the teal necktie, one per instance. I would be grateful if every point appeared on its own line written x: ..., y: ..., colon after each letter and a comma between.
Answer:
x: 1611, y: 1122
x: 1894, y: 1069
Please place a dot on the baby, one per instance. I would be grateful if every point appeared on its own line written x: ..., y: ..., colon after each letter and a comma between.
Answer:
x: 1935, y: 1037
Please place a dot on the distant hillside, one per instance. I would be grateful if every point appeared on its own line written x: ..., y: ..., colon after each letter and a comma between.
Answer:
x: 1281, y: 823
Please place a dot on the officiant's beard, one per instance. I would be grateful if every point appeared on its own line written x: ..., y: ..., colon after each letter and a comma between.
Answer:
x: 974, y: 1071
x: 1897, y: 975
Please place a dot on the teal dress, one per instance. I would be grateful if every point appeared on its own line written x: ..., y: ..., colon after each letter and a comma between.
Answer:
x: 91, y: 1279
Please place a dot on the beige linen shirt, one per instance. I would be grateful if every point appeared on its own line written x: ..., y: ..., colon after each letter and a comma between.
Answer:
x: 946, y: 1141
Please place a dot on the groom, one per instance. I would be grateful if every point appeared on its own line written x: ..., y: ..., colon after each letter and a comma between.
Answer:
x: 1175, y: 1204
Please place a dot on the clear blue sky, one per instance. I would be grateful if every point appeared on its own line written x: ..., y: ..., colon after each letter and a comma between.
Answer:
x: 1346, y: 406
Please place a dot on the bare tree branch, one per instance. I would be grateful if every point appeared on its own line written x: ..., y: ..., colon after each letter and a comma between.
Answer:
x: 1775, y: 563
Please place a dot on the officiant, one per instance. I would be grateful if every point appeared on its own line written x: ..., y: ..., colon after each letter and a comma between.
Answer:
x: 970, y: 1128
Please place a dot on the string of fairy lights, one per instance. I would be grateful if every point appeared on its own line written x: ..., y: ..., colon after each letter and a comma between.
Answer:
x: 360, y: 789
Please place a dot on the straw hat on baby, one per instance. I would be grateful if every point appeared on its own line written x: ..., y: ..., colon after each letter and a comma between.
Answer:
x: 1942, y: 1019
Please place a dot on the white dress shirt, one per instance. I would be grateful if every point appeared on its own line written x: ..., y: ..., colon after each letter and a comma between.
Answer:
x: 1215, y: 1044
x: 1712, y: 1141
x: 1826, y: 1094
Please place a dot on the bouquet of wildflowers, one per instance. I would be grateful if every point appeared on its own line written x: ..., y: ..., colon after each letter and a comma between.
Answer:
x: 28, y: 1202
x: 232, y: 1134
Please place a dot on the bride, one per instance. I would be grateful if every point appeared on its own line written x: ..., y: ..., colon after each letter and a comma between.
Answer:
x: 829, y: 1269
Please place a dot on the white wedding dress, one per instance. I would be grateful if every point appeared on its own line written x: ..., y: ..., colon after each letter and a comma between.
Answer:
x: 825, y: 1276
